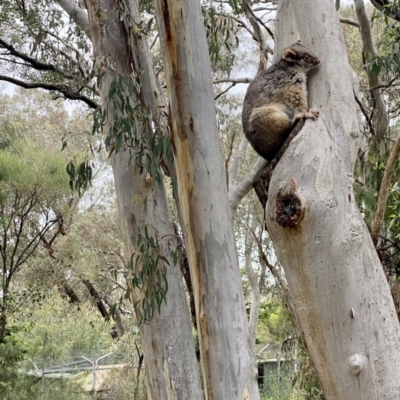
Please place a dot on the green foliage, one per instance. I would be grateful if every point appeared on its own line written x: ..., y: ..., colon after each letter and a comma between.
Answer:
x: 28, y: 388
x: 390, y: 10
x: 60, y: 330
x: 14, y: 385
x: 149, y: 273
x: 306, y: 379
x: 133, y: 128
x: 24, y: 168
x: 388, y: 61
x: 221, y: 37
x: 35, y: 19
x: 80, y: 176
x: 7, y: 136
x: 277, y: 319
x: 146, y: 6
x: 11, y: 351
x: 33, y: 194
x: 280, y: 388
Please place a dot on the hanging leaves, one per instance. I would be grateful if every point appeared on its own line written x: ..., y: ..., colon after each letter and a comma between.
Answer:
x: 80, y: 177
x: 149, y: 274
x: 134, y: 128
x: 221, y: 37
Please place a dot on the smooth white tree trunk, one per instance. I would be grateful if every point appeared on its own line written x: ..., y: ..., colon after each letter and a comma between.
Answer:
x: 336, y: 282
x: 226, y: 350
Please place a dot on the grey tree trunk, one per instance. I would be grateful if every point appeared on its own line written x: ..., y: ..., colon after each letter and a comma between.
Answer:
x: 170, y: 359
x: 336, y: 282
x: 171, y: 365
x: 226, y: 350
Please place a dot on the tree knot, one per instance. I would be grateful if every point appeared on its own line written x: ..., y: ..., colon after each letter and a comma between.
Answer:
x: 357, y: 363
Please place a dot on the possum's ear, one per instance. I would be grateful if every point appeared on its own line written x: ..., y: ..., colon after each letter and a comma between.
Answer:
x: 290, y: 55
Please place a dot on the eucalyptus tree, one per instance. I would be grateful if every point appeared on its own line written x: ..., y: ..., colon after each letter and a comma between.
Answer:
x: 336, y: 282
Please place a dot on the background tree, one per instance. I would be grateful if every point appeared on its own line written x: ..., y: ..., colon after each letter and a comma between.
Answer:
x: 34, y: 199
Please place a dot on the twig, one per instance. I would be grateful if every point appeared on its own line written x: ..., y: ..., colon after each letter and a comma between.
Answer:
x: 226, y: 90
x: 260, y: 21
x: 364, y: 111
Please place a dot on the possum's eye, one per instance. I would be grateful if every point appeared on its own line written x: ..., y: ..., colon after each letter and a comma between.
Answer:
x: 306, y: 56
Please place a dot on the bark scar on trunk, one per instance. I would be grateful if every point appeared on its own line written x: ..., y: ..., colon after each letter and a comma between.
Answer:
x: 166, y: 18
x: 290, y: 206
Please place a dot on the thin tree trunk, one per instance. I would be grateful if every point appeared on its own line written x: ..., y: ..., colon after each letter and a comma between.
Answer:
x: 254, y: 287
x: 379, y: 115
x: 337, y: 285
x: 384, y: 191
x: 226, y: 351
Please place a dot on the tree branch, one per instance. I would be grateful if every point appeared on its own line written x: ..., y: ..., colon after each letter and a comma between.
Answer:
x: 63, y: 89
x: 113, y: 281
x: 99, y: 303
x: 245, y: 185
x: 69, y: 291
x: 244, y: 25
x: 77, y: 14
x: 350, y: 22
x: 255, y: 23
x: 40, y: 66
x: 364, y: 111
x: 30, y: 60
x: 233, y: 80
x: 254, y: 287
x: 276, y: 273
x: 258, y: 20
x: 225, y: 91
x: 118, y: 317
